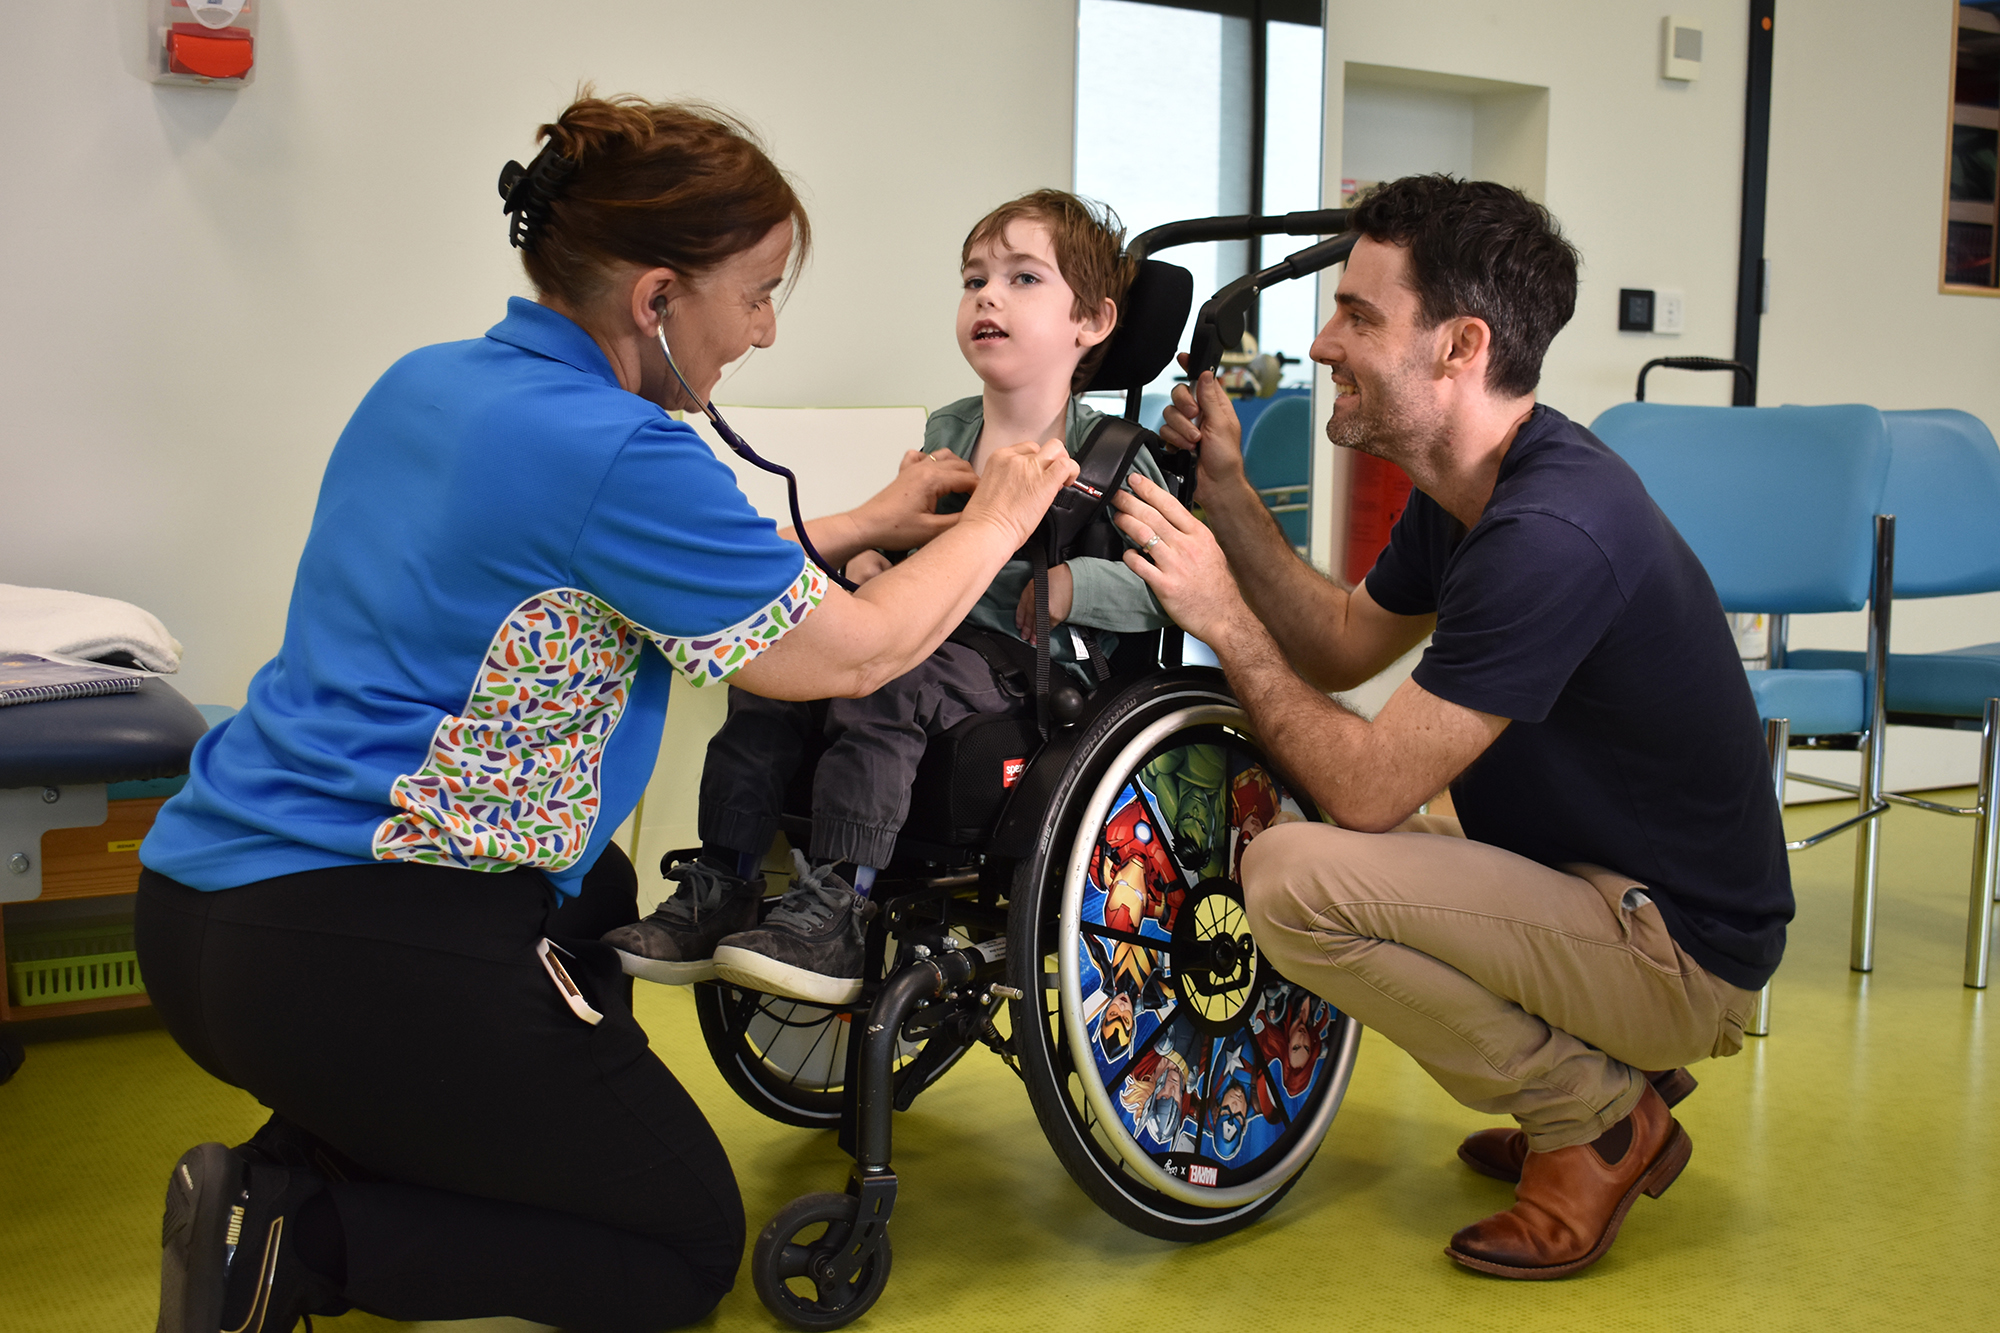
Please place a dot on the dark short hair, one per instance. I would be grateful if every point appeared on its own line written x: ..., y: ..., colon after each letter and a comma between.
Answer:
x: 1480, y: 249
x: 1089, y: 243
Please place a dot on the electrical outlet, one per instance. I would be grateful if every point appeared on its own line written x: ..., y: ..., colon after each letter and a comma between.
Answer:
x: 1669, y: 311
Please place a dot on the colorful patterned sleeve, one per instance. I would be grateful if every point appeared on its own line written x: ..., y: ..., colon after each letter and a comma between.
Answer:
x: 712, y: 659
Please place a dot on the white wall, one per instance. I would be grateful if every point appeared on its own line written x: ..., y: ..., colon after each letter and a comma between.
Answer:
x: 1645, y: 176
x: 1859, y: 106
x: 201, y: 284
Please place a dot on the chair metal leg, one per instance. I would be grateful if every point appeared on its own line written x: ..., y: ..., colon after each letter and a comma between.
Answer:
x: 1985, y: 855
x: 1778, y: 744
x: 1868, y: 836
x: 1758, y: 1024
x: 1867, y: 856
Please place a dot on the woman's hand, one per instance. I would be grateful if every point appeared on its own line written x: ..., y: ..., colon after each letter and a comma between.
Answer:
x: 901, y: 516
x: 1017, y: 486
x: 866, y: 566
x: 1062, y: 597
x: 856, y: 643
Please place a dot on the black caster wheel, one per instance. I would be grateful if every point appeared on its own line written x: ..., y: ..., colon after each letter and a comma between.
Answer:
x: 793, y: 1263
x: 11, y: 1057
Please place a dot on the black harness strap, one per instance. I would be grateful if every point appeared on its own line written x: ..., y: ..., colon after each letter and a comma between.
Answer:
x: 1038, y: 561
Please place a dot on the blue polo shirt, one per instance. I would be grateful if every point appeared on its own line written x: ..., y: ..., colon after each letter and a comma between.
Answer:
x: 510, y: 560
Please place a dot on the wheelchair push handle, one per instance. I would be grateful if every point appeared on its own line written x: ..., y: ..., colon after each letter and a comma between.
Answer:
x: 1220, y: 324
x: 1237, y: 227
x: 1741, y: 371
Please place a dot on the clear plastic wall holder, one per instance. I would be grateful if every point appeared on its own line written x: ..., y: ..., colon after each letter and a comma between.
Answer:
x: 204, y: 43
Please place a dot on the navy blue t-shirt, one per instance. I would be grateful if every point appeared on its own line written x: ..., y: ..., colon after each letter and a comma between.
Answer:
x: 1574, y: 608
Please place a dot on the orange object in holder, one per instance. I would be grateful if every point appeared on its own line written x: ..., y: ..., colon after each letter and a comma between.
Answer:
x: 1377, y: 494
x: 209, y: 53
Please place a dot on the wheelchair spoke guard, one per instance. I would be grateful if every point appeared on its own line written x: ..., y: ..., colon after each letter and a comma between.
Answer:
x: 1183, y: 1081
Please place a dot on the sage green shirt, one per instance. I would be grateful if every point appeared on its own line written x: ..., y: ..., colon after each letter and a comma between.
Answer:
x: 1108, y: 596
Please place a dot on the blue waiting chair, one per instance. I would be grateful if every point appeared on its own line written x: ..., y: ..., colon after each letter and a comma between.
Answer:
x: 1944, y: 487
x: 1783, y: 507
x: 1277, y: 458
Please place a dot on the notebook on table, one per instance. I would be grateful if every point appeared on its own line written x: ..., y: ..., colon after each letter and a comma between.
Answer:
x: 28, y: 679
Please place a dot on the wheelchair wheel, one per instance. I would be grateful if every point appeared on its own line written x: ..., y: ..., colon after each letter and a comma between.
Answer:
x: 791, y: 1264
x: 1183, y: 1083
x: 785, y: 1058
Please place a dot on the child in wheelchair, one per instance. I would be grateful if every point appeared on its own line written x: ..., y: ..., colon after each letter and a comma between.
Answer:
x: 1044, y: 282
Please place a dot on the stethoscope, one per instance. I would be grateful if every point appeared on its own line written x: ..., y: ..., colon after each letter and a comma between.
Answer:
x: 754, y: 459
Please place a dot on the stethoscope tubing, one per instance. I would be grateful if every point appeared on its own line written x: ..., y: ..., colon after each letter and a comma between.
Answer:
x: 756, y: 460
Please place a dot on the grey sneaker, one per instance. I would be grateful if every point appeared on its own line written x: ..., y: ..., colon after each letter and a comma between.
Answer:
x: 676, y: 943
x: 809, y: 948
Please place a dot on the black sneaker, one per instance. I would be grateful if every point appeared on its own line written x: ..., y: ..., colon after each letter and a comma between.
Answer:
x: 676, y: 943
x: 225, y: 1260
x: 809, y: 948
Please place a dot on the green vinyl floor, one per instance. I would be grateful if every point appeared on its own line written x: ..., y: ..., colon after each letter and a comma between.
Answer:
x: 1846, y: 1173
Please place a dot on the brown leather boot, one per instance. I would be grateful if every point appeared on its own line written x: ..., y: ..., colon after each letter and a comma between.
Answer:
x: 1499, y: 1152
x: 1570, y: 1202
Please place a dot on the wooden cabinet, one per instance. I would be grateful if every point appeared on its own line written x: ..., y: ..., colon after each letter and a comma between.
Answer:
x: 101, y: 861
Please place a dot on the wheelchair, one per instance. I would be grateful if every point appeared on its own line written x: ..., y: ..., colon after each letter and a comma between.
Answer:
x: 1077, y: 870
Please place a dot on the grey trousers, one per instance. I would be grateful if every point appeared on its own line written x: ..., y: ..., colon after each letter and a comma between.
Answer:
x: 1522, y: 989
x: 861, y: 789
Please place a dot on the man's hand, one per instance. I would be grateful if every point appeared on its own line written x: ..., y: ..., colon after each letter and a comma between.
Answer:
x: 1017, y: 485
x: 866, y: 566
x: 901, y: 515
x: 1202, y: 415
x: 1062, y: 596
x: 1179, y: 560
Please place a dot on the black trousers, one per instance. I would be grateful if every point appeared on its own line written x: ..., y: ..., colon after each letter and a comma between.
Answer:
x: 861, y: 785
x: 512, y: 1159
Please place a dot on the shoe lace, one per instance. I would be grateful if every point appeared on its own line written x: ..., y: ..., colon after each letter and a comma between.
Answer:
x: 816, y: 894
x: 699, y: 887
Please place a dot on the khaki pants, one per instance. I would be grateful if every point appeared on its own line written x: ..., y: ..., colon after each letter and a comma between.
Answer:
x: 1523, y: 990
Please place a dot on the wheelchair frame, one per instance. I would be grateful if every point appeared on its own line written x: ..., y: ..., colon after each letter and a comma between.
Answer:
x: 943, y: 955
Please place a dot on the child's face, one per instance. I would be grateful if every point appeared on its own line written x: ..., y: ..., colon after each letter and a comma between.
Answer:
x: 1017, y: 324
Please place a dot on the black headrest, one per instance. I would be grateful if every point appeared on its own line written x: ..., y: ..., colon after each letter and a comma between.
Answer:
x: 1156, y: 310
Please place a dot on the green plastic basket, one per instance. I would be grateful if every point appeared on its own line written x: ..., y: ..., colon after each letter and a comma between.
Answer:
x: 83, y: 962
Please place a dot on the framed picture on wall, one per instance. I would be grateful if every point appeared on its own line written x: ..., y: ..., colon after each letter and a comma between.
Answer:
x: 1972, y: 184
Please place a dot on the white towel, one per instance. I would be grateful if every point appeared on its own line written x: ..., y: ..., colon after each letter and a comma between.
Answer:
x: 79, y: 627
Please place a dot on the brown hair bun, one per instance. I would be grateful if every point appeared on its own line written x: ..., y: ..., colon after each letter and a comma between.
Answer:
x: 658, y: 184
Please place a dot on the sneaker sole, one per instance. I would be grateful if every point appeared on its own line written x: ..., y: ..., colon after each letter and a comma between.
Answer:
x: 754, y: 971
x: 1665, y: 1170
x: 204, y: 1182
x: 667, y: 974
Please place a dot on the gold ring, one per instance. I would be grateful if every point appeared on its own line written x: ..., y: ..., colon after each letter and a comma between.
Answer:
x: 1147, y: 549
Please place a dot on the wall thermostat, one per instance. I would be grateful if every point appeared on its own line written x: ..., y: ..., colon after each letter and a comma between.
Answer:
x: 1635, y: 310
x: 205, y: 43
x: 1680, y: 49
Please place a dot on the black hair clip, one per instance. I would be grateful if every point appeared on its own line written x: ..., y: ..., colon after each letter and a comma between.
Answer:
x: 530, y: 191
